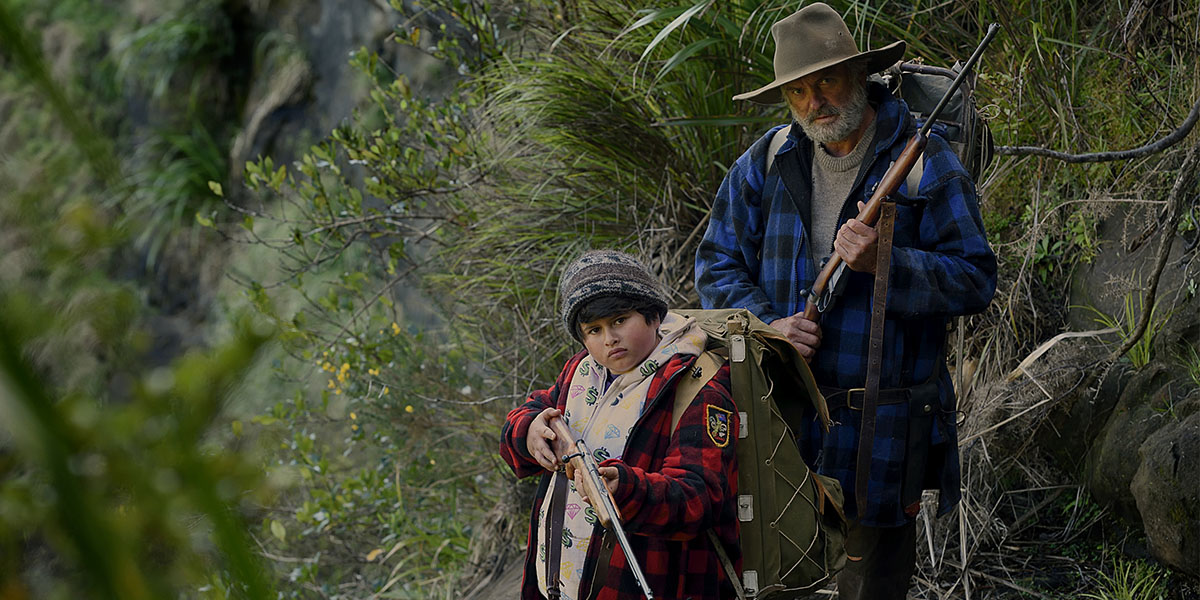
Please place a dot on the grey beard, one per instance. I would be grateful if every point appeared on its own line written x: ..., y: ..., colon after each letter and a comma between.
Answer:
x: 851, y: 113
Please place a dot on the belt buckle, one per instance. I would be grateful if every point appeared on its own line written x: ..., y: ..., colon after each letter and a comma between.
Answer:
x: 850, y: 397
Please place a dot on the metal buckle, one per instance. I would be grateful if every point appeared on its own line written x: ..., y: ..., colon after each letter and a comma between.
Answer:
x: 850, y: 399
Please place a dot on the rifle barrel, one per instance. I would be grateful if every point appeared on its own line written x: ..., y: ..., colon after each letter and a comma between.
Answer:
x: 962, y: 74
x: 602, y: 501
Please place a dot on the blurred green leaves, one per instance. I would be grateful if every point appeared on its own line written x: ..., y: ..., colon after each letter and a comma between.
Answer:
x: 115, y: 481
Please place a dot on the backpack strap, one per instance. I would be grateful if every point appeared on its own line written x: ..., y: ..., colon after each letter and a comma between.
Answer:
x: 703, y: 370
x: 777, y: 141
x: 727, y: 564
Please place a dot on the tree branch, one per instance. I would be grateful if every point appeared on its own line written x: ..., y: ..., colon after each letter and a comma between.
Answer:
x: 1183, y: 183
x: 1174, y: 138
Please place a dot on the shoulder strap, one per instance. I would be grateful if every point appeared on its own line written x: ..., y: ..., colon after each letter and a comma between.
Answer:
x: 730, y: 571
x: 690, y: 384
x: 777, y: 141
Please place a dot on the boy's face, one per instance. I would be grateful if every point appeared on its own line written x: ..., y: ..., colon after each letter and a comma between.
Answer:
x: 620, y: 342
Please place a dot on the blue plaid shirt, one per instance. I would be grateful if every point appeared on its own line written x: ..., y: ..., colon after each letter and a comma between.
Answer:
x: 758, y: 255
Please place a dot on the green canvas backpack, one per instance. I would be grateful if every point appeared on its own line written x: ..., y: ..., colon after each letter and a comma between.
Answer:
x: 792, y: 527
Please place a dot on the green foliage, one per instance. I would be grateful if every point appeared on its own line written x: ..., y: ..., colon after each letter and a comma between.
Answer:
x: 113, y: 483
x: 1132, y: 308
x: 125, y: 492
x: 387, y: 475
x: 176, y: 50
x: 1189, y: 359
x: 1130, y: 580
x: 177, y: 65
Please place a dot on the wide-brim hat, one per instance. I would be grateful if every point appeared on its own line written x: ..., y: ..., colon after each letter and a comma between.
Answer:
x: 814, y: 38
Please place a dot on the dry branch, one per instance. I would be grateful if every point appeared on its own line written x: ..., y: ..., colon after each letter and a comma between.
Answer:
x: 1174, y: 138
x: 1183, y: 183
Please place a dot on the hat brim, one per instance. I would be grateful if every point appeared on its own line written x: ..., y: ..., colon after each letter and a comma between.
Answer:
x: 877, y: 60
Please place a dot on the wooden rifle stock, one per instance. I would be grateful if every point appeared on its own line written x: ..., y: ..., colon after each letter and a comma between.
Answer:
x: 594, y: 489
x: 580, y: 458
x: 818, y: 299
x: 821, y: 295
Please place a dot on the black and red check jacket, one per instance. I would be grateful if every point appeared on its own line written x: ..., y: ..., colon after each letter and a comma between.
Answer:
x: 673, y: 488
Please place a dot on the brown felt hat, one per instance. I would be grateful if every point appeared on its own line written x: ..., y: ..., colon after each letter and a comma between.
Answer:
x: 813, y: 38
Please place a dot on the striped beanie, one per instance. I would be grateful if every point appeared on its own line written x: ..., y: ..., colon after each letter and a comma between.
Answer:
x: 604, y: 273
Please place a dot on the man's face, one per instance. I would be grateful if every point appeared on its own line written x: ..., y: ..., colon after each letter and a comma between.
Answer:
x: 829, y: 104
x: 620, y: 342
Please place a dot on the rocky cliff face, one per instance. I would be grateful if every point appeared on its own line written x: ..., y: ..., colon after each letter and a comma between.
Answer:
x: 1140, y: 434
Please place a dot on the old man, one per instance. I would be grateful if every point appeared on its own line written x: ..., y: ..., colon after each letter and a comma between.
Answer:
x: 789, y: 202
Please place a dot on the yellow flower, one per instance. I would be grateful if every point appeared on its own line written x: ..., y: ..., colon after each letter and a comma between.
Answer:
x: 385, y: 390
x: 337, y: 392
x: 353, y: 416
x: 327, y: 367
x: 331, y: 384
x: 374, y: 372
x: 395, y: 328
x: 432, y: 462
x: 354, y: 427
x: 408, y: 408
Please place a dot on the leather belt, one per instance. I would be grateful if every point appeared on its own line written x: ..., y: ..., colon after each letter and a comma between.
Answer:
x: 854, y: 398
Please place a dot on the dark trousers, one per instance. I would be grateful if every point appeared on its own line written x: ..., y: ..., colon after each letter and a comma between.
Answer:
x: 880, y: 562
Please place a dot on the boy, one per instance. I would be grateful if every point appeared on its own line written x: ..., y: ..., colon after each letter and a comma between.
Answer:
x: 671, y: 487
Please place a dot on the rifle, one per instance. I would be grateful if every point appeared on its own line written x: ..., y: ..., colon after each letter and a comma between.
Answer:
x: 830, y: 281
x: 593, y: 485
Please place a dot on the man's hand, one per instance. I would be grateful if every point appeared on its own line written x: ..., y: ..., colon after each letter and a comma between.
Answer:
x: 857, y: 244
x: 805, y: 335
x: 539, y: 439
x: 608, y: 474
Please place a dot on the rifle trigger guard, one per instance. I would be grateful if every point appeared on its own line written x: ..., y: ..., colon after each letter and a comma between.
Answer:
x: 832, y: 289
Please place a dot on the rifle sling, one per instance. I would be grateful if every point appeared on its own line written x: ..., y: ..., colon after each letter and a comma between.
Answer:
x: 600, y: 569
x: 866, y: 439
x: 555, y: 512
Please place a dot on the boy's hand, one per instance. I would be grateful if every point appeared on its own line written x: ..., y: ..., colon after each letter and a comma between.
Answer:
x: 539, y: 439
x: 608, y: 474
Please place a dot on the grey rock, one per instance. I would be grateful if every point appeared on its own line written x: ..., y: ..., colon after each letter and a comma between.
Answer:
x: 1166, y: 488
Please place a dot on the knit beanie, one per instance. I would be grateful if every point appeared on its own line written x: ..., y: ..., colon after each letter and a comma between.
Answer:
x: 604, y: 273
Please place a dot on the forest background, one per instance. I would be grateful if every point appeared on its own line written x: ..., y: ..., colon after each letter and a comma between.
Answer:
x: 271, y: 273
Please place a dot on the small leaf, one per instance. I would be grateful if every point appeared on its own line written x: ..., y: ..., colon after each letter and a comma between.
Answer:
x: 248, y: 223
x: 371, y: 556
x: 237, y: 428
x: 216, y: 188
x: 203, y: 220
x: 278, y: 530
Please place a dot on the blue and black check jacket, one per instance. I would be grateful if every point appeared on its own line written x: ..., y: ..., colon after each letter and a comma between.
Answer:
x: 757, y: 254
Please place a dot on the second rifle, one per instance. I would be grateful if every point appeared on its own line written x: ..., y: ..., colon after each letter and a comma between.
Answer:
x: 602, y: 501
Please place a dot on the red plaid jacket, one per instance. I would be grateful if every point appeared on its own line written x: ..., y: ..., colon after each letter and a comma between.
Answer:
x: 673, y: 488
